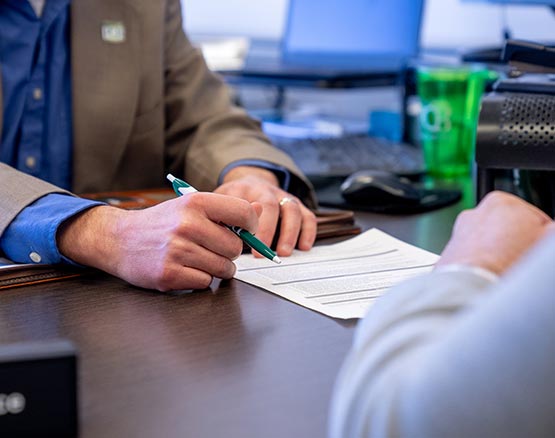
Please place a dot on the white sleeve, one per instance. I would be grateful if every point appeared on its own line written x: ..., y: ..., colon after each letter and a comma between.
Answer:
x: 452, y: 354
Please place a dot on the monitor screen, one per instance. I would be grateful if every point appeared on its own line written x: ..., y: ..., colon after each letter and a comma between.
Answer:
x: 344, y: 27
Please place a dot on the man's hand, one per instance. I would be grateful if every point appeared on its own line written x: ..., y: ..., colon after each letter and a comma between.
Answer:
x: 298, y: 223
x: 495, y: 234
x: 177, y: 244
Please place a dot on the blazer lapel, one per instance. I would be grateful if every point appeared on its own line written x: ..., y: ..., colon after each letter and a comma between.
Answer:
x: 105, y: 88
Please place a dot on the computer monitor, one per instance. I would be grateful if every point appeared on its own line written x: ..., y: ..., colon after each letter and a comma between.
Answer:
x: 518, y: 2
x: 348, y: 32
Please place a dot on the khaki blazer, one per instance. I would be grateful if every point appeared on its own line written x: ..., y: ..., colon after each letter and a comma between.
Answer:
x: 143, y: 107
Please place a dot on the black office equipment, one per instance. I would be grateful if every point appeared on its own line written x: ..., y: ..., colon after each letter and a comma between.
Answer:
x: 493, y: 55
x: 516, y: 128
x: 486, y: 55
x: 529, y: 57
x: 38, y: 390
x: 379, y: 195
x: 379, y: 187
x: 341, y: 156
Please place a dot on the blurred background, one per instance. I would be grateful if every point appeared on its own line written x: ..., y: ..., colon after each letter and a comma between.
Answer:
x: 447, y: 23
x: 446, y: 33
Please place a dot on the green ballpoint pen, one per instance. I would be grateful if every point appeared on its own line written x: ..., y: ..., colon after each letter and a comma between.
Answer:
x: 182, y: 188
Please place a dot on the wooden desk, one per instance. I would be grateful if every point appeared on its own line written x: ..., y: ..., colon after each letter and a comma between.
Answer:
x: 233, y: 362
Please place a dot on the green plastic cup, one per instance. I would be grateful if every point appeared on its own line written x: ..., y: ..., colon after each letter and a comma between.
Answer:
x: 450, y: 98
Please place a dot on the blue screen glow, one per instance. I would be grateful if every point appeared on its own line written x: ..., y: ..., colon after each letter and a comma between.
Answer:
x: 354, y: 26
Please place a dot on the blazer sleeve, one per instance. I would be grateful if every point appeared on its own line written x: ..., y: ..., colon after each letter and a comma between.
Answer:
x: 204, y: 131
x: 17, y: 191
x: 449, y: 354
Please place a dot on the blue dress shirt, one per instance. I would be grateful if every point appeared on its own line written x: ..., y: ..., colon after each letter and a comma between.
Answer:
x: 36, y: 84
x: 37, y: 134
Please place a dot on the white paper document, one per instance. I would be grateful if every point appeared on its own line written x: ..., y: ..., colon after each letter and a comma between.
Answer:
x: 225, y: 53
x: 8, y: 265
x: 340, y: 280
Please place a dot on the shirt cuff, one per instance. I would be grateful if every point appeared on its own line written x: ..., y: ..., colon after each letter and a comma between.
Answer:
x: 283, y: 175
x: 486, y: 274
x: 31, y: 236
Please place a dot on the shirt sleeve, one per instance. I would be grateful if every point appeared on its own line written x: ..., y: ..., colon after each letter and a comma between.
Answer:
x: 454, y: 353
x: 283, y: 175
x: 31, y: 236
x: 486, y: 274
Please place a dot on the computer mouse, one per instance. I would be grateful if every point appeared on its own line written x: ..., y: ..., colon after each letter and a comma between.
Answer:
x: 379, y: 188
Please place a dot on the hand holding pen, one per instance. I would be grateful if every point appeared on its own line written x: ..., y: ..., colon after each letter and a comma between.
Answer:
x: 182, y: 188
x: 175, y: 245
x: 282, y: 212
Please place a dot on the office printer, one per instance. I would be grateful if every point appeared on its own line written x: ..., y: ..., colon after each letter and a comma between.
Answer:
x: 516, y: 128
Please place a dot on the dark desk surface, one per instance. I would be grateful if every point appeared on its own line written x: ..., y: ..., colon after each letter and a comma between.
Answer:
x: 235, y: 361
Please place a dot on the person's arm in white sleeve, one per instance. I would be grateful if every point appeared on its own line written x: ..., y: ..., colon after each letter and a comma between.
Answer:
x: 454, y: 354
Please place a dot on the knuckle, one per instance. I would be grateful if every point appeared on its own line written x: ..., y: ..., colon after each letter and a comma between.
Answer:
x: 225, y: 269
x: 165, y: 278
x: 309, y: 215
x: 249, y: 217
x: 463, y: 217
x: 465, y: 214
x: 195, y: 200
x: 170, y: 275
x: 231, y: 247
x: 188, y: 228
x: 236, y: 248
x: 219, y: 268
x: 245, y: 209
x: 204, y: 282
x: 240, y: 184
x: 497, y: 197
x: 270, y: 204
x: 293, y: 206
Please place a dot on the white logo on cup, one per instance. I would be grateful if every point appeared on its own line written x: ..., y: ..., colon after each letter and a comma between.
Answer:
x: 436, y: 117
x: 13, y: 403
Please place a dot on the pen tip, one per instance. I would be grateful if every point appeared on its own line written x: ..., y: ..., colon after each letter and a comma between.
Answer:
x: 170, y: 177
x: 277, y: 260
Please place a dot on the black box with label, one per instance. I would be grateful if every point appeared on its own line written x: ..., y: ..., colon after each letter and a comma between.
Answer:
x: 38, y: 389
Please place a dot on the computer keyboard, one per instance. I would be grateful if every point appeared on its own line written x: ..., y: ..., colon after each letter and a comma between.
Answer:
x: 341, y: 156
